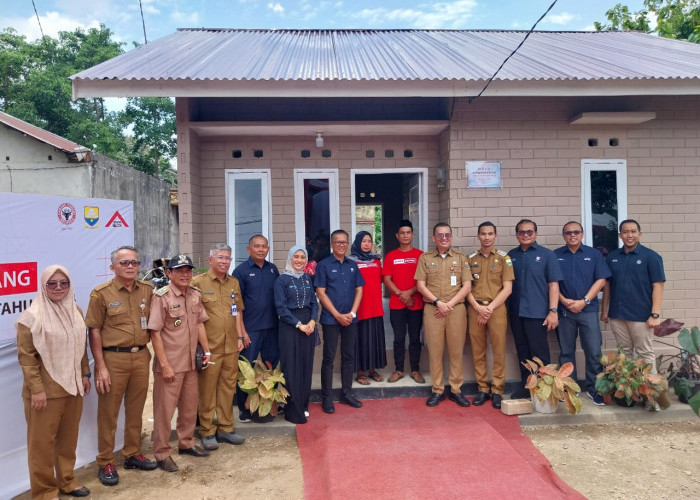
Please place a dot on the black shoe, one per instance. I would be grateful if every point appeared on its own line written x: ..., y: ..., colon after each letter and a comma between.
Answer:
x: 480, y: 398
x: 168, y: 464
x: 194, y: 451
x: 244, y: 416
x: 521, y: 393
x: 82, y: 491
x: 496, y: 401
x: 350, y: 400
x: 435, y: 398
x: 459, y: 399
x: 328, y: 406
x: 139, y: 462
x: 262, y: 420
x: 108, y: 475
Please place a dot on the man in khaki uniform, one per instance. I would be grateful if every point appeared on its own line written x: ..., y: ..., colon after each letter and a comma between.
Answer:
x: 177, y: 324
x: 492, y: 273
x: 116, y: 316
x: 444, y: 280
x: 221, y: 298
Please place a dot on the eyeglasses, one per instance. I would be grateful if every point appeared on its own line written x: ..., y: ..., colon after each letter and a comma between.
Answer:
x: 573, y: 233
x: 127, y: 263
x: 341, y: 243
x: 53, y: 285
x: 443, y: 235
x: 528, y: 232
x: 223, y: 258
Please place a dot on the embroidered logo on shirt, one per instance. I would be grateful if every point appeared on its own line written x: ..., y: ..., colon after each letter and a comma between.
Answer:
x: 639, y: 262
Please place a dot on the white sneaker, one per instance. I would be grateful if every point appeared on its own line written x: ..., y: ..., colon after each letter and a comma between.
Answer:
x: 306, y: 414
x: 651, y: 406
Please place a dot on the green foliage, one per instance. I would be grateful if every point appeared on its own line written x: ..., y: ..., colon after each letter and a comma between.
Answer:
x: 690, y: 340
x: 264, y: 386
x: 553, y: 383
x: 679, y: 19
x: 153, y: 125
x: 631, y: 379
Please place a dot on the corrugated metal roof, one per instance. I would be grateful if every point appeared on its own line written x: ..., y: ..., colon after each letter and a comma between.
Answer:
x: 400, y: 55
x: 39, y: 134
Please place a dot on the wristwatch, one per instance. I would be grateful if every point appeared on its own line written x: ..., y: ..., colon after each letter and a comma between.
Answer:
x: 354, y: 315
x: 552, y: 309
x: 654, y: 315
x: 588, y: 302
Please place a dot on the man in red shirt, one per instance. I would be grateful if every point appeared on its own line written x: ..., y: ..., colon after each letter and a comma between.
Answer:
x: 405, y: 304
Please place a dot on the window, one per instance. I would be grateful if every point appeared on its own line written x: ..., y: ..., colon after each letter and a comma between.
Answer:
x: 604, y: 200
x: 248, y: 209
x: 317, y: 210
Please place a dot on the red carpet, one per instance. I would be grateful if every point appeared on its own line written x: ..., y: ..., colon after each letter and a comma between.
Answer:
x: 401, y: 449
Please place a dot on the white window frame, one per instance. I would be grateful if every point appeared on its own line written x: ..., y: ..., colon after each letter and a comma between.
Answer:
x: 300, y: 175
x: 592, y: 165
x: 264, y: 175
x: 423, y: 188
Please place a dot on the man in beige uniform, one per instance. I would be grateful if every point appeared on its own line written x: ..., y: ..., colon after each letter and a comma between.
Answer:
x: 493, y: 276
x: 116, y: 317
x: 221, y: 298
x: 444, y: 280
x: 176, y: 323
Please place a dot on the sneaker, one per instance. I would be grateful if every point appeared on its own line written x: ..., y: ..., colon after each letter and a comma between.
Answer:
x: 245, y: 416
x: 108, y: 475
x: 263, y: 420
x: 651, y: 406
x: 229, y: 437
x: 306, y: 414
x: 596, y: 398
x: 210, y: 442
x: 139, y: 462
x: 520, y: 393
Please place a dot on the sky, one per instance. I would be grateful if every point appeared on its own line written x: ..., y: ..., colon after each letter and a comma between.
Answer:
x: 163, y: 17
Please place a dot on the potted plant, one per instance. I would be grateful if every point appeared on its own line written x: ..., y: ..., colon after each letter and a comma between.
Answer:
x: 264, y: 386
x: 549, y: 384
x: 682, y: 369
x: 628, y: 381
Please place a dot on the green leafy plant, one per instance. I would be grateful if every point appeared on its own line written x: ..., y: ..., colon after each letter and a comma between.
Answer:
x: 682, y: 368
x: 264, y: 386
x: 549, y: 382
x: 627, y: 378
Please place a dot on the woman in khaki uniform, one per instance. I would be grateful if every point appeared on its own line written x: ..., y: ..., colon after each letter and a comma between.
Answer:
x: 51, y: 341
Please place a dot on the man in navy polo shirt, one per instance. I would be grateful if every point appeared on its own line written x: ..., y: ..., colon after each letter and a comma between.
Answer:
x: 338, y: 285
x: 256, y: 277
x: 633, y: 295
x: 585, y: 273
x: 533, y: 304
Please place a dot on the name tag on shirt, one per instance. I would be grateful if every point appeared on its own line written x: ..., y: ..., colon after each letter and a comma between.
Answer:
x: 453, y: 280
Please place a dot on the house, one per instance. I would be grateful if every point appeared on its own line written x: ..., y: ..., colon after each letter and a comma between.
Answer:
x: 33, y: 160
x: 289, y: 132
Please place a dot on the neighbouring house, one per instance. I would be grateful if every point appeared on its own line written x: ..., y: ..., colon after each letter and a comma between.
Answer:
x: 33, y: 160
x: 292, y: 132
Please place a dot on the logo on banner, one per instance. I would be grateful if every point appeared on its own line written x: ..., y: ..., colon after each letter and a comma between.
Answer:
x: 92, y: 215
x: 66, y: 213
x: 117, y: 220
x: 17, y: 278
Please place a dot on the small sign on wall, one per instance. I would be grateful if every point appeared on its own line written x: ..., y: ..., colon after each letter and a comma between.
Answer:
x: 483, y: 174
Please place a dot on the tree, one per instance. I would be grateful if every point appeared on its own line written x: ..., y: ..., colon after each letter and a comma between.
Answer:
x: 679, y: 19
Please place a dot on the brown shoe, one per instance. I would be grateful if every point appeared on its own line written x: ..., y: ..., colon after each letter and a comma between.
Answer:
x: 418, y: 377
x: 168, y: 464
x: 396, y: 376
x: 375, y: 376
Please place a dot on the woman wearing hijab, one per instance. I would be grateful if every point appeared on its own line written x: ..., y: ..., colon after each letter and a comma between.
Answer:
x: 297, y: 308
x: 51, y: 340
x: 370, y: 348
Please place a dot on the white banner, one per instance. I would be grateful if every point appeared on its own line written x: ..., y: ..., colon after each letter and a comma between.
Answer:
x: 37, y: 231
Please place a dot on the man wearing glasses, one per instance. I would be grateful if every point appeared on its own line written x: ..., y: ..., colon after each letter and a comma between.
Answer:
x: 585, y: 273
x: 221, y: 298
x: 444, y: 280
x: 117, y: 319
x: 338, y: 285
x: 532, y: 309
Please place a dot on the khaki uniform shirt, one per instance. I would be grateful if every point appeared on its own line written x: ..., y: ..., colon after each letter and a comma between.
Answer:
x: 218, y: 298
x: 118, y: 313
x: 444, y: 277
x: 489, y: 273
x: 177, y: 316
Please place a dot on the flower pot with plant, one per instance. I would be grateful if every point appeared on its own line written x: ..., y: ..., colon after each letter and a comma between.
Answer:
x: 630, y: 381
x: 551, y: 384
x: 264, y: 386
x: 682, y: 369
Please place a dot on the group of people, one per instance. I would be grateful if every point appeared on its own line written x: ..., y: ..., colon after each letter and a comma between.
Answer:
x: 257, y: 311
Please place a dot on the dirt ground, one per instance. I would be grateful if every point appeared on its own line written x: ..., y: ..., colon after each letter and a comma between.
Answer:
x: 609, y: 461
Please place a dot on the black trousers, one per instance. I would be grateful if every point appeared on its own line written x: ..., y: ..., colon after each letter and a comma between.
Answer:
x: 530, y: 340
x: 401, y: 321
x: 348, y: 336
x: 297, y: 361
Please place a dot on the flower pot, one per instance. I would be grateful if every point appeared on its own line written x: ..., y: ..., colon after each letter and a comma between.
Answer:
x: 623, y: 402
x: 545, y: 406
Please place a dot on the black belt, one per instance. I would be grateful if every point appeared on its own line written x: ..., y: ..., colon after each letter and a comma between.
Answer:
x: 136, y: 348
x: 483, y: 302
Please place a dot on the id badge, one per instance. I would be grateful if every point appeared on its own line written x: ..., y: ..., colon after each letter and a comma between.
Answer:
x: 453, y: 280
x: 144, y: 323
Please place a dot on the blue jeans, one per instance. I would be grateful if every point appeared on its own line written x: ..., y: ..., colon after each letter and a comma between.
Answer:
x: 587, y: 327
x: 266, y: 344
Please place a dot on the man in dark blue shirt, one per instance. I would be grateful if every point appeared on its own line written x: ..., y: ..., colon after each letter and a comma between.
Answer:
x: 533, y: 304
x: 633, y: 295
x: 585, y: 273
x: 256, y: 277
x: 338, y: 285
